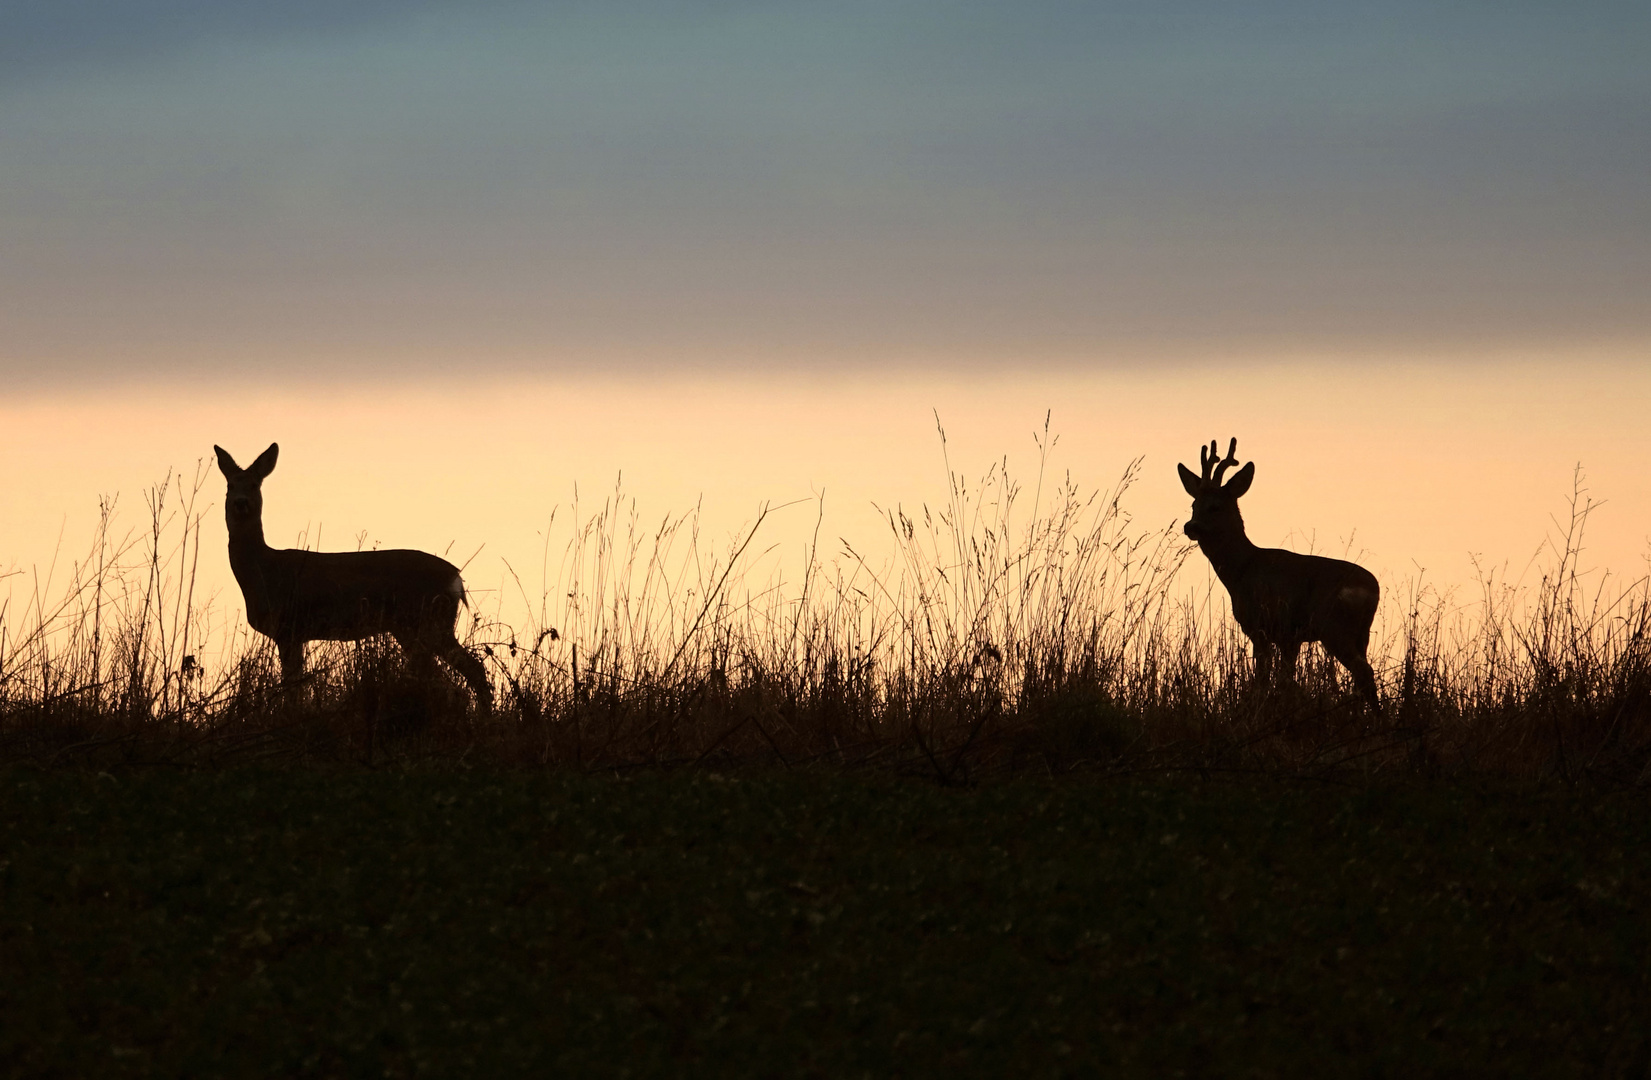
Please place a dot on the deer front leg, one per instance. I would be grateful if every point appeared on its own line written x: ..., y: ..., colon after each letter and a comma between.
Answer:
x: 1263, y: 652
x: 292, y: 661
x: 1289, y: 656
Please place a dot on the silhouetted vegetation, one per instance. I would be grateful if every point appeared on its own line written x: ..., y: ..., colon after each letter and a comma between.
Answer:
x: 1001, y: 639
x: 1008, y: 802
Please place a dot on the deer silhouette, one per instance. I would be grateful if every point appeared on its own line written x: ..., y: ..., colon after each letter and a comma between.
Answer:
x: 1280, y: 599
x: 293, y: 597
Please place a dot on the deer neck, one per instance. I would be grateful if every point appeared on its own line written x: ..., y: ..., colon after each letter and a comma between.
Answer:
x: 1229, y: 552
x: 246, y: 544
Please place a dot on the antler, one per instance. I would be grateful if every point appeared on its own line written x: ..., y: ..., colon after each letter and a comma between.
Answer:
x: 1210, y: 458
x: 1225, y: 463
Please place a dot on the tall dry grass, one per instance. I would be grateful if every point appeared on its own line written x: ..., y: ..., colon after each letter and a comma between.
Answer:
x: 1010, y: 629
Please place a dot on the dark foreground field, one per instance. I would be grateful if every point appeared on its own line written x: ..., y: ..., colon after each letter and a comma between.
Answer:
x: 305, y: 922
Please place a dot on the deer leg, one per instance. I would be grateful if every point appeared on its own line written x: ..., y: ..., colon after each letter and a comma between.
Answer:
x: 1263, y: 652
x: 292, y: 661
x: 457, y: 657
x: 1364, y: 677
x: 419, y: 655
x: 463, y: 661
x: 1289, y: 657
x: 421, y: 661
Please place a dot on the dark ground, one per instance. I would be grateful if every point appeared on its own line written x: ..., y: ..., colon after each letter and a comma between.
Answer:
x: 351, y: 922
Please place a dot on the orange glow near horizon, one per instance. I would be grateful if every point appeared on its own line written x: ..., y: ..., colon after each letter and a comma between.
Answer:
x: 1405, y: 467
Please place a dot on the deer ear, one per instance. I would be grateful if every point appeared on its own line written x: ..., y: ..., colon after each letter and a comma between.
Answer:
x: 1189, y: 480
x: 265, y: 463
x: 226, y: 464
x: 1240, y: 483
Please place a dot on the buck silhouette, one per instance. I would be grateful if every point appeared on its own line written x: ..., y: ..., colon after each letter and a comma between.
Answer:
x: 1280, y: 599
x: 297, y: 596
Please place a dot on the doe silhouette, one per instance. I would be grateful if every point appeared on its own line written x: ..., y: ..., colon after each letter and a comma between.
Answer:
x: 297, y: 596
x: 1280, y: 599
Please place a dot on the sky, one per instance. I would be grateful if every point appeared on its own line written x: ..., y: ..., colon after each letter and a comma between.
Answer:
x: 464, y: 259
x: 194, y: 189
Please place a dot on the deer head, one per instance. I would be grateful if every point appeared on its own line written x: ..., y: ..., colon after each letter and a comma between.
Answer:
x: 244, y: 501
x: 1214, y: 504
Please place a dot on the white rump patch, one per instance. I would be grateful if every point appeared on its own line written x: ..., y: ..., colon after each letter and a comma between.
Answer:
x: 1356, y: 595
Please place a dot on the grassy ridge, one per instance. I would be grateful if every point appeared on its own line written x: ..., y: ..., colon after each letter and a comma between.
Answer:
x: 204, y: 872
x: 308, y: 922
x: 994, y: 641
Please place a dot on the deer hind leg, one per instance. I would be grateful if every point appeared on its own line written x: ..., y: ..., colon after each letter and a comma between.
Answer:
x: 463, y: 661
x: 420, y: 657
x: 432, y: 642
x: 1364, y: 677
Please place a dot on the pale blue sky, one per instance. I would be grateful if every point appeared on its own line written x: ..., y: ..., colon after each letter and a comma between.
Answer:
x: 193, y: 187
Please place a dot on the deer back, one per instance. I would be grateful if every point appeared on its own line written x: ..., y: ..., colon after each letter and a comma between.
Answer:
x: 1283, y: 597
x: 343, y: 596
